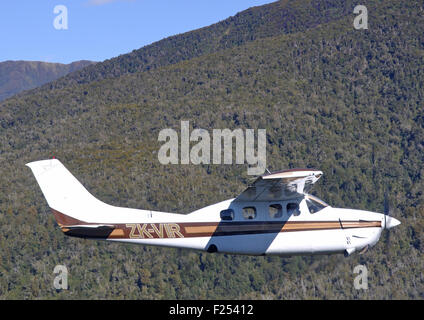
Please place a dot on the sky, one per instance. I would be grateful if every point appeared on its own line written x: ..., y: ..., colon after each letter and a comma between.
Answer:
x: 101, y: 29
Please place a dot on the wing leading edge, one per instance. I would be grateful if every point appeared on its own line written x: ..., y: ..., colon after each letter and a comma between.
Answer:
x: 281, y: 185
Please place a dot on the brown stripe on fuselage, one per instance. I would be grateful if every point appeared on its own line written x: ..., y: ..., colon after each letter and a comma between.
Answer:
x: 363, y: 224
x: 198, y: 229
x: 239, y: 228
x: 209, y: 229
x: 64, y: 220
x: 117, y: 234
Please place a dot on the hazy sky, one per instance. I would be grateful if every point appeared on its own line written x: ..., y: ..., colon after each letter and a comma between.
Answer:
x: 101, y: 29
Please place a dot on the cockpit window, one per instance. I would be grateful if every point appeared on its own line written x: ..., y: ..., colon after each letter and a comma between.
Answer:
x: 315, y: 204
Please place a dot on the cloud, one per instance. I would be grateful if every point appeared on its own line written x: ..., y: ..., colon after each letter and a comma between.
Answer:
x: 99, y: 2
x: 102, y: 2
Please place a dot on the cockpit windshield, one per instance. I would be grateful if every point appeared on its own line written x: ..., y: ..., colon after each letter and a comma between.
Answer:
x: 315, y: 204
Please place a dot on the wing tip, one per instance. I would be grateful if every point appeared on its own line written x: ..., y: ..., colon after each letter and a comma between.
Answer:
x: 37, y: 163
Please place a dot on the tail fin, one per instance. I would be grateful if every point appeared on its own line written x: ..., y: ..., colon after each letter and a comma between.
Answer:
x: 73, y: 205
x: 63, y: 192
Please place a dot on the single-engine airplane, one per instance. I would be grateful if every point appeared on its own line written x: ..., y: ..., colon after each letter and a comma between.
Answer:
x: 275, y: 215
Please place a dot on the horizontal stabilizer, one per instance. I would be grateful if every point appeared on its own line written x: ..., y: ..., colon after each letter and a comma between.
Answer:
x: 90, y: 226
x: 90, y: 231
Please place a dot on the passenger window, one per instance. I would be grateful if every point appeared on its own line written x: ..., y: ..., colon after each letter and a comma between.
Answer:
x: 293, y: 209
x: 249, y: 212
x: 275, y: 211
x: 227, y: 214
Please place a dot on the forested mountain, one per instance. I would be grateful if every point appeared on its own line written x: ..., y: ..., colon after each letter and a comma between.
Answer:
x: 348, y: 102
x: 281, y: 17
x: 16, y: 76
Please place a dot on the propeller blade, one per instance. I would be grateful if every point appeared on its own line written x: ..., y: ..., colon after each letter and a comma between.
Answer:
x: 386, y: 204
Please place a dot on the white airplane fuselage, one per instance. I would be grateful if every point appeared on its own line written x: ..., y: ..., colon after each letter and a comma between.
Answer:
x: 326, y: 233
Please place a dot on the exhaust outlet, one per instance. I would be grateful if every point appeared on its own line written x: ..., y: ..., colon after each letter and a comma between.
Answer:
x: 349, y: 251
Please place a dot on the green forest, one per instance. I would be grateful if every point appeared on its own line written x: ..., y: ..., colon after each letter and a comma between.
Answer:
x: 345, y: 101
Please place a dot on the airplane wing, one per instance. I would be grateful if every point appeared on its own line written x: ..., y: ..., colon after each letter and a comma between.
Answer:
x: 281, y: 185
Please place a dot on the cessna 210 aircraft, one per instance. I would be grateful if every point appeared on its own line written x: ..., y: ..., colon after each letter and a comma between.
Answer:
x: 275, y: 215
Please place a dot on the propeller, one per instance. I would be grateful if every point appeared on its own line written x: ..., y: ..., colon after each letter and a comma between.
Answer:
x: 389, y: 222
x: 386, y: 208
x: 386, y: 214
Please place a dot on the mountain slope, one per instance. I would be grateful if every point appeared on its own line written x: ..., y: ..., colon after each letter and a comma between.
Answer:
x: 345, y: 101
x: 281, y: 17
x: 17, y: 76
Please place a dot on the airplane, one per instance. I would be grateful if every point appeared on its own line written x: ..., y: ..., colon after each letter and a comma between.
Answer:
x: 275, y: 215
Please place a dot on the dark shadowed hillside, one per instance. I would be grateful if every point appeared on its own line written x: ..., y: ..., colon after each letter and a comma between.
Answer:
x: 346, y: 101
x: 17, y: 76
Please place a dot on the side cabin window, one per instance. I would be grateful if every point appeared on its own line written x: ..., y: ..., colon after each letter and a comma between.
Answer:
x: 227, y: 214
x: 249, y: 212
x: 293, y: 209
x: 275, y: 211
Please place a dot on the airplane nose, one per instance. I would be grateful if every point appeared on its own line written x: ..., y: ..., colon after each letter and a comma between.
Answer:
x: 391, y: 222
